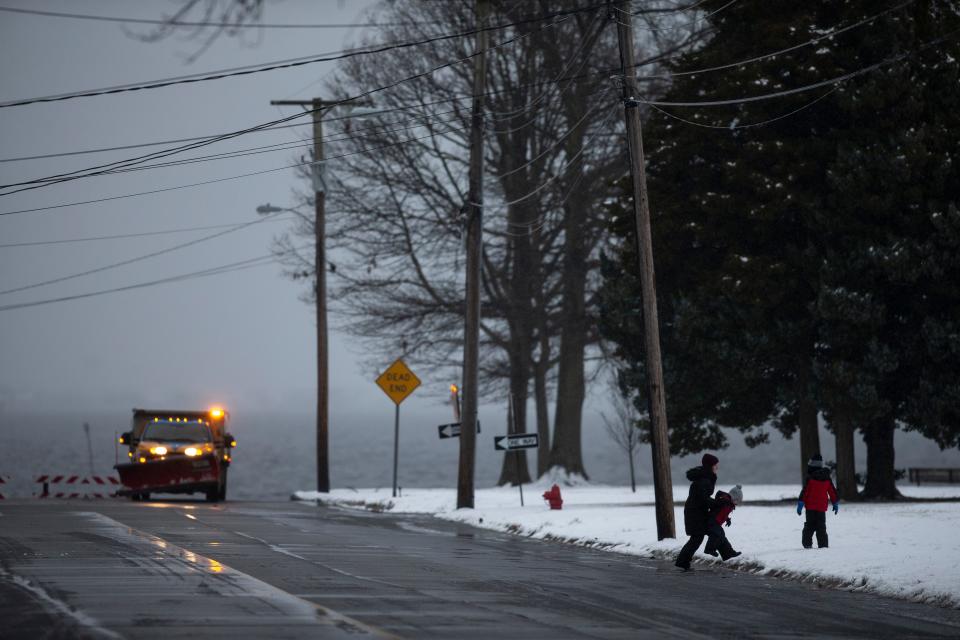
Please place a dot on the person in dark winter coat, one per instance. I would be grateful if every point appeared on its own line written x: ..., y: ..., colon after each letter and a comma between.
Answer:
x: 817, y: 490
x: 717, y: 543
x: 696, y: 510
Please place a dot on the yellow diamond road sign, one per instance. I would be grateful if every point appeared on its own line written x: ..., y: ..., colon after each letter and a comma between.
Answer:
x: 398, y: 381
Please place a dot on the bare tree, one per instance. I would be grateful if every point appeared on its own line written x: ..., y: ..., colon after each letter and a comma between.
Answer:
x: 624, y: 427
x: 398, y: 189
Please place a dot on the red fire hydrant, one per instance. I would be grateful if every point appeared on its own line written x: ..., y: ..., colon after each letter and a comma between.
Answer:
x: 553, y: 497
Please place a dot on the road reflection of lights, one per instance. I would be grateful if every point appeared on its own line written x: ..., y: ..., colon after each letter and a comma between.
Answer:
x: 192, y: 517
x: 215, y: 566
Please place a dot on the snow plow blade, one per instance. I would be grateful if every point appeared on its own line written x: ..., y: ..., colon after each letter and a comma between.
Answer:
x: 179, y: 475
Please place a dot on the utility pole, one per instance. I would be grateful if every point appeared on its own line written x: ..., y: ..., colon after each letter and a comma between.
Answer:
x: 317, y: 107
x: 659, y: 439
x: 471, y: 330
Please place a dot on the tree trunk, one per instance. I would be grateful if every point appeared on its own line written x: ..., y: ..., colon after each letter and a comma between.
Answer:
x: 881, y: 482
x: 516, y: 420
x: 567, y: 450
x: 543, y: 416
x: 633, y: 477
x: 846, y: 463
x: 809, y: 432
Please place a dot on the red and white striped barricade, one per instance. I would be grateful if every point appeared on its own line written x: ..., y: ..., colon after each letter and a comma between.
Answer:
x: 79, y: 486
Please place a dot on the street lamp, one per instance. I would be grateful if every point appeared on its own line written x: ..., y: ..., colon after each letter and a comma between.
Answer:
x: 267, y: 209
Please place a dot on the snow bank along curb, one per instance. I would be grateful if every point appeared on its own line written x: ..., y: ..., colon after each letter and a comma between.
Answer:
x: 902, y: 550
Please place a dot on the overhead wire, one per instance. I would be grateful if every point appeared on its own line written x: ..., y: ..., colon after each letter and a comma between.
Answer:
x: 217, y: 180
x: 80, y: 173
x: 504, y: 115
x: 732, y: 127
x: 652, y: 103
x: 140, y: 234
x: 283, y: 146
x: 552, y: 178
x: 812, y: 41
x: 367, y: 114
x: 674, y: 27
x: 773, y: 54
x: 156, y: 84
x: 743, y: 100
x: 133, y: 260
x: 561, y: 139
x: 226, y: 268
x: 809, y: 87
x: 201, y: 23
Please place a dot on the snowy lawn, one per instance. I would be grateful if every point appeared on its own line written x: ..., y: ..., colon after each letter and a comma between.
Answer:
x: 907, y: 550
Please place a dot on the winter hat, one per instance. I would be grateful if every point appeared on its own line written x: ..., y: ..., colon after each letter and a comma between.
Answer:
x: 816, y: 461
x: 708, y: 460
x: 736, y: 494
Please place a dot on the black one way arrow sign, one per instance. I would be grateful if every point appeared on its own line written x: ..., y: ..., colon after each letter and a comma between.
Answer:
x: 517, y: 441
x: 452, y: 430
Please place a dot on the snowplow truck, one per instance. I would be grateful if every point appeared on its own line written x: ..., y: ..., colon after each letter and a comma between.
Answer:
x: 176, y: 452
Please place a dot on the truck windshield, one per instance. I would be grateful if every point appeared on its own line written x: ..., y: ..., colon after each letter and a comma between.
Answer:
x: 176, y: 431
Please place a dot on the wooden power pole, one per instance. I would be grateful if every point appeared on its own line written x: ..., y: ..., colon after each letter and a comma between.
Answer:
x: 659, y: 439
x: 320, y: 289
x: 474, y: 222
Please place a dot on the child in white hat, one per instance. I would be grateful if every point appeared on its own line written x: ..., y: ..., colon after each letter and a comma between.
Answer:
x: 717, y: 543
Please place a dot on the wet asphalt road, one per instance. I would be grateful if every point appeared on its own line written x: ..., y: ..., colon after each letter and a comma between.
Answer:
x: 111, y: 569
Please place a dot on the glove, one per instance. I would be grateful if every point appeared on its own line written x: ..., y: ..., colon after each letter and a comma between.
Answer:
x: 836, y: 507
x: 799, y: 507
x: 729, y: 522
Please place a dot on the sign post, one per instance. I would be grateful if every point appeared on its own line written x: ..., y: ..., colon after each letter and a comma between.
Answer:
x: 516, y: 443
x: 398, y: 382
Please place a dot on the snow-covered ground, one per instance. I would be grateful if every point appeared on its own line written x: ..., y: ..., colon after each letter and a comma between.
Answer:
x: 906, y: 550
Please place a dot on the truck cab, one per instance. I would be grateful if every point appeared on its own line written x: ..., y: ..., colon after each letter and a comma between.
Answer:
x: 177, y: 452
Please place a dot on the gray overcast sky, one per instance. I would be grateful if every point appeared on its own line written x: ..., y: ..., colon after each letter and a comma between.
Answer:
x: 244, y: 338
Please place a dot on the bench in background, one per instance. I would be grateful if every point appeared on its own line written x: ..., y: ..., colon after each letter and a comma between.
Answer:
x: 948, y: 476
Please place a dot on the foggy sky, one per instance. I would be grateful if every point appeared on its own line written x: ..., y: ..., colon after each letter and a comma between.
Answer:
x: 242, y: 339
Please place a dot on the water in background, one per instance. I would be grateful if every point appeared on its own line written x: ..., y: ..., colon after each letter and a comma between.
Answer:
x: 276, y: 453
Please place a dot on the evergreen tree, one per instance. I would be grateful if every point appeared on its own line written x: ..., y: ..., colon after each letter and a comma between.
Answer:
x: 759, y: 230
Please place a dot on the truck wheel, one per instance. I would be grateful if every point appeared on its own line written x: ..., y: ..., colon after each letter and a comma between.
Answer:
x: 213, y: 495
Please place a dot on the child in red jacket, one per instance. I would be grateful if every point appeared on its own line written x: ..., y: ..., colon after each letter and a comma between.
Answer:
x: 717, y: 543
x: 816, y: 491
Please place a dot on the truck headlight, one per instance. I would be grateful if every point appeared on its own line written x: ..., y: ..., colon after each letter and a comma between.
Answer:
x: 192, y: 451
x: 158, y: 451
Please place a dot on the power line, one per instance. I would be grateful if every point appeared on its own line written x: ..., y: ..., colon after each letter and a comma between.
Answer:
x: 422, y: 120
x: 809, y: 87
x: 732, y: 127
x: 142, y: 234
x: 206, y: 23
x: 158, y: 143
x: 769, y: 96
x: 679, y: 26
x: 159, y: 154
x: 156, y: 84
x: 812, y: 41
x: 285, y: 146
x: 773, y: 54
x: 216, y: 180
x: 128, y: 261
x: 227, y: 268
